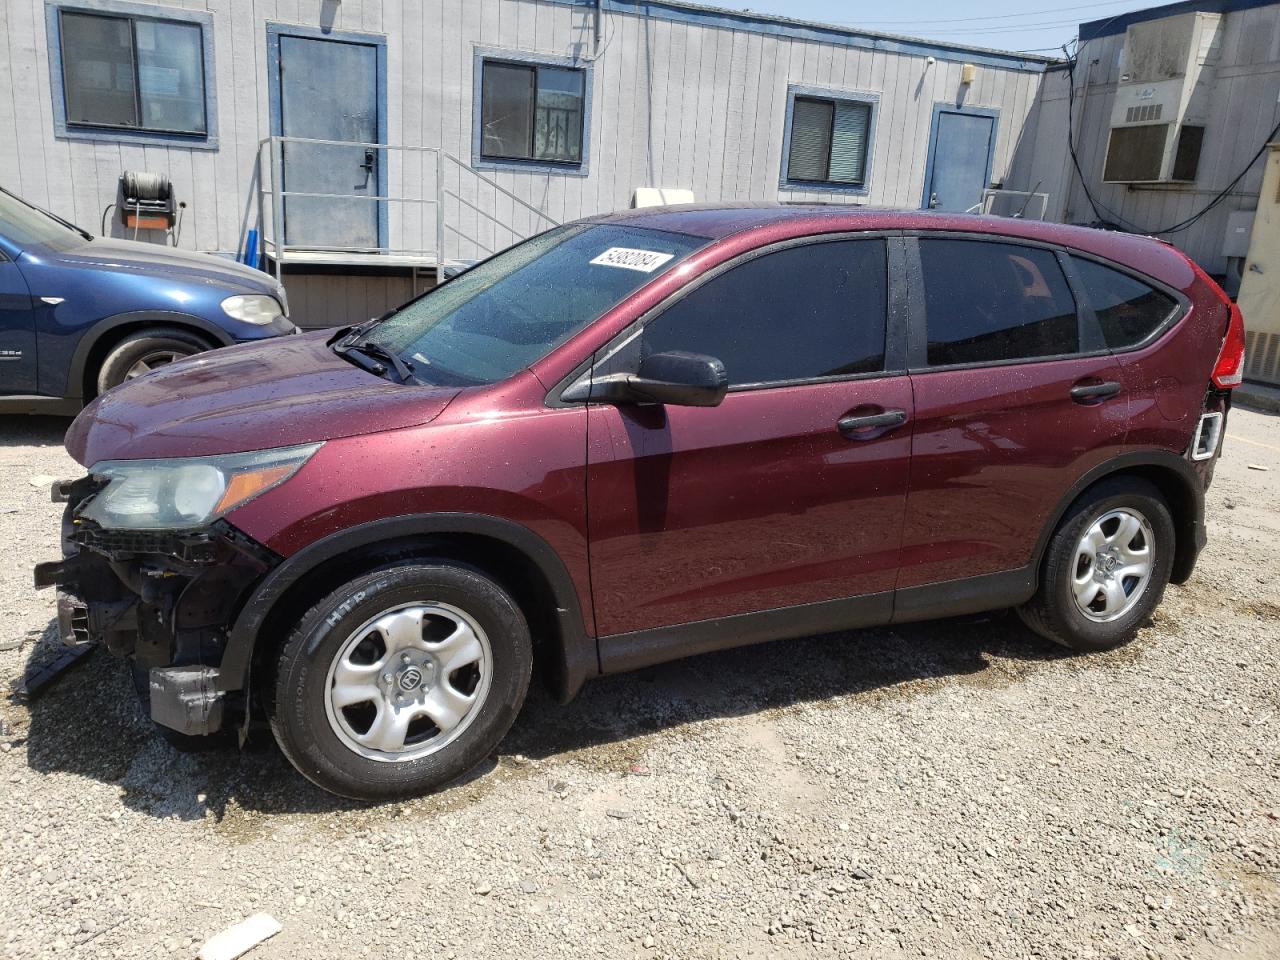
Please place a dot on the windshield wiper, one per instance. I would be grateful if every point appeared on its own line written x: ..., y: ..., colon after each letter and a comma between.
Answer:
x: 52, y: 216
x: 374, y: 358
x: 345, y: 335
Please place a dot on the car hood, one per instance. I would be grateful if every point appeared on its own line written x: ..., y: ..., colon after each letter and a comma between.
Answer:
x: 155, y: 260
x: 251, y: 397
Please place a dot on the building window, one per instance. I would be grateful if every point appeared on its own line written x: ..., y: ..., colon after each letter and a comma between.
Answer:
x: 829, y: 141
x: 532, y: 112
x: 122, y: 68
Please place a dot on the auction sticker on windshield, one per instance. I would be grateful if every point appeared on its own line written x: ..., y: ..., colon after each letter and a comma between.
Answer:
x: 646, y: 261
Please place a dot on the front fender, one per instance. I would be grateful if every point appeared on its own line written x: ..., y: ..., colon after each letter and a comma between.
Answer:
x: 57, y: 379
x: 574, y: 661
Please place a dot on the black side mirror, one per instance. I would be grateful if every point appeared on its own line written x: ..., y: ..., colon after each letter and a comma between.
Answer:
x: 677, y: 378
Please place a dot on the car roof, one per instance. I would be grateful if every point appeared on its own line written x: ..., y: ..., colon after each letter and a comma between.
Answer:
x: 772, y: 222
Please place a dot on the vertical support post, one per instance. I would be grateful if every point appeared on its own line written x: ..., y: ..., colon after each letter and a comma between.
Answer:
x: 262, y: 217
x: 439, y: 215
x: 277, y: 202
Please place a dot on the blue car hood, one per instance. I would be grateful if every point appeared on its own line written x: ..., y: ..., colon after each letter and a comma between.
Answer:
x: 154, y: 260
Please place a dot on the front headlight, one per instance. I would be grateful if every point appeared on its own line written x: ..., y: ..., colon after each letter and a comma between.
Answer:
x: 187, y: 492
x: 253, y: 309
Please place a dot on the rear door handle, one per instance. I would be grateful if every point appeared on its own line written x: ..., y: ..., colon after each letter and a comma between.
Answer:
x: 1094, y: 392
x: 860, y: 427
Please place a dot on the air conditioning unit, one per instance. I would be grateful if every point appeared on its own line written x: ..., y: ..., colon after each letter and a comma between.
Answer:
x: 1162, y: 99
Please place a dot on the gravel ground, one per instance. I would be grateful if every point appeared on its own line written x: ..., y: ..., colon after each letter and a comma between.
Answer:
x: 957, y: 789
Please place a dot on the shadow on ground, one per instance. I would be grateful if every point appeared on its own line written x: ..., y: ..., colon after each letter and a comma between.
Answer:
x: 34, y: 431
x: 89, y: 723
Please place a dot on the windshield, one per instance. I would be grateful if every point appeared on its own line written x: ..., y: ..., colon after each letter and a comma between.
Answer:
x: 507, y: 312
x: 23, y: 225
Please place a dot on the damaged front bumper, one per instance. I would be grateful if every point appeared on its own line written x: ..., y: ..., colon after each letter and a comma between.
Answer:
x: 163, y: 599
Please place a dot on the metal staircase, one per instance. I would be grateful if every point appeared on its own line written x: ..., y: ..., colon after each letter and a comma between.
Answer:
x: 435, y: 211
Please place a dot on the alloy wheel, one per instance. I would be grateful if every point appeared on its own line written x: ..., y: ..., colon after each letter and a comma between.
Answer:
x: 1114, y: 560
x: 408, y: 682
x: 152, y: 359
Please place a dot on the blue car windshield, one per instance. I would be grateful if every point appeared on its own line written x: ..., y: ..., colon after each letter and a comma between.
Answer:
x: 503, y: 314
x: 26, y: 226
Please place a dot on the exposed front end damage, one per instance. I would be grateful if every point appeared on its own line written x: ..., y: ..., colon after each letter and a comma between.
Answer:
x: 163, y: 599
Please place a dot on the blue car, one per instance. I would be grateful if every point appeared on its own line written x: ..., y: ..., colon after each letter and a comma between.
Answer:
x: 80, y: 314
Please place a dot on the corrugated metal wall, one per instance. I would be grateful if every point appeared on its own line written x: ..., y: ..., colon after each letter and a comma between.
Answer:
x: 1244, y: 110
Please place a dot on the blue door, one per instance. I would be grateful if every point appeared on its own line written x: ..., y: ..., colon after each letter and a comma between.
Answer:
x: 960, y: 154
x: 328, y: 90
x: 17, y: 332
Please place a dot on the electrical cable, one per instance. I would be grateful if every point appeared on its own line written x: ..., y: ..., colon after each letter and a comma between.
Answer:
x: 1113, y: 218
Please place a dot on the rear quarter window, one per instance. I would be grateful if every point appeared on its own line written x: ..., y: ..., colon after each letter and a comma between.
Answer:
x: 1128, y: 310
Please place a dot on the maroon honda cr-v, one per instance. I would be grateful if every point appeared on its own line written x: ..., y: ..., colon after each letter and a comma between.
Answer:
x: 635, y: 438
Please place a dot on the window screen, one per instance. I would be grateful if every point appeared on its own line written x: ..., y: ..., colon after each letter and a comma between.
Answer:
x: 1134, y: 154
x: 987, y: 302
x: 531, y: 112
x: 829, y: 141
x: 1128, y: 310
x: 133, y: 73
x: 801, y: 313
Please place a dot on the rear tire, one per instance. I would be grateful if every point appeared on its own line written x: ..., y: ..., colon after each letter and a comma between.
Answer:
x: 1105, y: 568
x: 401, y: 680
x: 146, y: 350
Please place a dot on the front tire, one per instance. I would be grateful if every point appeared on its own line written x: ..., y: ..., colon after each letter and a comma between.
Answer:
x: 144, y: 351
x: 401, y: 680
x: 1106, y: 567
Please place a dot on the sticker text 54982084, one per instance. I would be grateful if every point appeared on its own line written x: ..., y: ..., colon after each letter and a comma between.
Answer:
x: 646, y: 261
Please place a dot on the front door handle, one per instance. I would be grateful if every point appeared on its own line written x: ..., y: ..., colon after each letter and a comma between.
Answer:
x: 857, y: 427
x: 1094, y: 392
x: 367, y: 166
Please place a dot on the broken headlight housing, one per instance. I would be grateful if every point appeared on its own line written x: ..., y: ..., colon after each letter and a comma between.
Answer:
x: 186, y: 492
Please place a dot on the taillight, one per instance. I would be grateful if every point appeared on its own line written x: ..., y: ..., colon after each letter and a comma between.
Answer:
x: 1228, y: 372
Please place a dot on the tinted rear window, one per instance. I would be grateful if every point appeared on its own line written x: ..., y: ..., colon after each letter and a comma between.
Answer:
x: 988, y: 302
x: 1128, y: 310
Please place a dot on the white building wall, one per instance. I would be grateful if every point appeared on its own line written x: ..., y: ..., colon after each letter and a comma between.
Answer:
x: 695, y: 105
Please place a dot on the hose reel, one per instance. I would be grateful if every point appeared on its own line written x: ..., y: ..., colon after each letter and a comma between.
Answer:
x: 146, y: 201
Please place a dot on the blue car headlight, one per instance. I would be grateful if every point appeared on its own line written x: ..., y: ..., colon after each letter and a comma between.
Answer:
x: 256, y: 309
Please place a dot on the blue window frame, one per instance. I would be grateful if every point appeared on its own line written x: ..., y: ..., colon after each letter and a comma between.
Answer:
x: 132, y: 71
x: 828, y: 140
x: 531, y: 112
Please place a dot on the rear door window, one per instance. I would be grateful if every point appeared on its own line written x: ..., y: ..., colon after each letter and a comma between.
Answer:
x: 991, y: 302
x: 802, y: 313
x: 1128, y: 310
